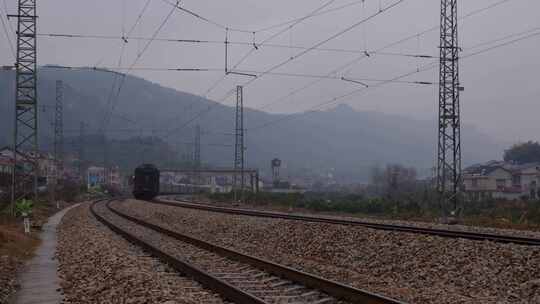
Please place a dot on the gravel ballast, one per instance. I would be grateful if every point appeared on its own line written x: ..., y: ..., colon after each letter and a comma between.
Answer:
x: 410, y: 267
x: 98, y: 266
x: 374, y: 220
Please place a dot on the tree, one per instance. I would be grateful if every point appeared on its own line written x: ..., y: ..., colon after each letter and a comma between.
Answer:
x: 523, y: 153
x: 394, y: 180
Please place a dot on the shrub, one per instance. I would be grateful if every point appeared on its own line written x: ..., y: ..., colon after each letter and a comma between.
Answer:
x: 23, y: 207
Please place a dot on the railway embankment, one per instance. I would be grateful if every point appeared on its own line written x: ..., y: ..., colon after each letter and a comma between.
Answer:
x: 411, y: 267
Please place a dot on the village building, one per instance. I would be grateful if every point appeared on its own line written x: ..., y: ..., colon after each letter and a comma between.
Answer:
x: 497, y: 179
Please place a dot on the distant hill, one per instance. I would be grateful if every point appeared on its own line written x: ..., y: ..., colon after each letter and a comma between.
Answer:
x: 341, y: 140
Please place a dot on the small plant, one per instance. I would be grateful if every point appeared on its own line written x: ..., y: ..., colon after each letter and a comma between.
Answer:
x: 24, y: 207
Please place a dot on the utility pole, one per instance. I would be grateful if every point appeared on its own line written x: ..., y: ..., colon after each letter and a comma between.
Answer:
x: 239, y: 145
x: 25, y: 137
x: 105, y: 158
x: 82, y: 148
x: 58, y: 136
x: 449, y: 143
x: 197, y: 154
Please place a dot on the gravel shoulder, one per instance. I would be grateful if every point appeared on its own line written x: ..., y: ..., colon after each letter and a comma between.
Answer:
x: 409, y: 267
x: 97, y: 266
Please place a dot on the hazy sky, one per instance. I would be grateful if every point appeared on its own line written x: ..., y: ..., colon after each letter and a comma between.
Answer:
x: 501, y: 86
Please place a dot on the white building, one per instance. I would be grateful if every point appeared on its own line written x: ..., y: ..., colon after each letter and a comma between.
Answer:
x: 502, y: 180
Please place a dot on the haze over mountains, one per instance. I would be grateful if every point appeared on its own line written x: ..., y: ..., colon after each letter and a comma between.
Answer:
x: 341, y: 140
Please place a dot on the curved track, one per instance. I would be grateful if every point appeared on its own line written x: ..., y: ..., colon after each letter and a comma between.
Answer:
x: 331, y: 220
x: 237, y: 277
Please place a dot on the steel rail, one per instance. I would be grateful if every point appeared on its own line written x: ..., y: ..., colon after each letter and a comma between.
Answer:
x: 207, y: 280
x: 477, y: 236
x: 332, y: 288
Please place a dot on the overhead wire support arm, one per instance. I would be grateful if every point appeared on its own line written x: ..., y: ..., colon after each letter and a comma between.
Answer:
x: 354, y: 81
x: 242, y: 74
x: 324, y: 41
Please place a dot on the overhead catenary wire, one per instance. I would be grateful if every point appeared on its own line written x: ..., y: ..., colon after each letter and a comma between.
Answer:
x: 124, y: 41
x: 263, y: 29
x: 385, y: 47
x: 6, y: 10
x: 241, y: 43
x: 472, y: 13
x: 6, y: 32
x: 320, y: 13
x: 418, y: 70
x: 139, y: 17
x: 382, y: 10
x: 500, y: 2
x: 382, y: 83
x: 137, y: 58
x: 528, y: 33
x: 245, y: 56
x: 205, y: 19
x: 531, y: 33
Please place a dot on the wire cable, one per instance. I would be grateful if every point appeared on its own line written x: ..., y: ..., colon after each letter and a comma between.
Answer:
x: 300, y: 20
x: 231, y: 92
x: 204, y: 19
x: 6, y: 32
x: 123, y: 80
x: 382, y: 10
x: 242, y: 43
x: 418, y: 70
x: 385, y: 47
x: 285, y: 23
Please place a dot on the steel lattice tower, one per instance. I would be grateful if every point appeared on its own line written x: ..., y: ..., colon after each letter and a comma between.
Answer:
x: 449, y: 144
x: 25, y: 139
x: 58, y: 135
x: 197, y: 153
x: 239, y: 144
x: 82, y: 149
x: 105, y: 158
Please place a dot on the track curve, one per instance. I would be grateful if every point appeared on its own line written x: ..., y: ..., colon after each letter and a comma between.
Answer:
x: 280, y: 284
x: 477, y: 236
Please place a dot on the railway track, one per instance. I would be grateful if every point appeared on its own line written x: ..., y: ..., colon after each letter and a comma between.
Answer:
x: 477, y: 236
x: 235, y: 276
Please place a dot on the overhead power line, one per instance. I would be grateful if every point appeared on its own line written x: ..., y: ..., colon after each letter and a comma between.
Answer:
x: 526, y: 34
x: 204, y: 19
x: 382, y: 10
x: 232, y: 92
x: 6, y: 32
x: 383, y: 48
x: 139, y: 18
x: 139, y: 55
x: 122, y: 52
x: 472, y: 13
x: 392, y: 80
x: 243, y: 58
x: 322, y: 12
x: 243, y: 43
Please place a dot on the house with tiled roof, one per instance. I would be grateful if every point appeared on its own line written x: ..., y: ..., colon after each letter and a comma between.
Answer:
x: 497, y: 179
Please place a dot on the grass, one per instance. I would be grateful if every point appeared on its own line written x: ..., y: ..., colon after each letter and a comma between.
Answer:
x: 14, y: 242
x: 522, y: 215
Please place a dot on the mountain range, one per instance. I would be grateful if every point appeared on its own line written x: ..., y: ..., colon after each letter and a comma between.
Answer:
x: 340, y: 141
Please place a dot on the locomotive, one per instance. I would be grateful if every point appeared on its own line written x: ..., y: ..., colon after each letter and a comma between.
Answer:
x: 146, y: 182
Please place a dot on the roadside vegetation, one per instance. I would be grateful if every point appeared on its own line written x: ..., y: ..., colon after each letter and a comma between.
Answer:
x: 521, y: 214
x: 16, y: 246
